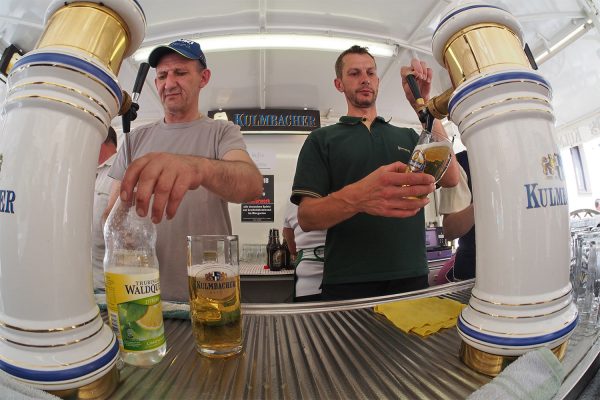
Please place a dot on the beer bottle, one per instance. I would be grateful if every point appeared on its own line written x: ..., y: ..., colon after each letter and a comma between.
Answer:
x: 133, y: 286
x: 275, y: 252
x: 269, y: 245
x: 287, y: 257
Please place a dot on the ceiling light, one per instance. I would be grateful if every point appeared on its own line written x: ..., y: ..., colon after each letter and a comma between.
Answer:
x: 281, y: 41
x: 564, y: 42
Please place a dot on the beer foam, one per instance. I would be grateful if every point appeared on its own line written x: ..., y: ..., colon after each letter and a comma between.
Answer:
x: 194, y: 270
x: 441, y: 143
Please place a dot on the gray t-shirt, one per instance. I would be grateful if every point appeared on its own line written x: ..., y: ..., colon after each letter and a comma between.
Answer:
x: 201, y: 212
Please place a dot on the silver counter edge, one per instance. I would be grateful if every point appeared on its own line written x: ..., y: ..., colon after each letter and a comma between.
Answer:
x: 333, y: 350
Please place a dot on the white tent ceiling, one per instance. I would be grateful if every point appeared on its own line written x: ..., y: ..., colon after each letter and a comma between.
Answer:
x: 280, y: 78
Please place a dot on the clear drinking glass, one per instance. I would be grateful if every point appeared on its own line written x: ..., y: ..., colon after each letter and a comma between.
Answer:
x: 573, y: 265
x: 586, y: 286
x: 431, y: 155
x: 215, y: 299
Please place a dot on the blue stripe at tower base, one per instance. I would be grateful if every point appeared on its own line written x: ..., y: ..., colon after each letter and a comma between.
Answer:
x: 63, y: 374
x: 516, y: 342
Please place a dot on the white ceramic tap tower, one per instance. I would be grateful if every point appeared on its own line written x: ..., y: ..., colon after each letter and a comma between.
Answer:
x: 522, y: 295
x: 61, y: 98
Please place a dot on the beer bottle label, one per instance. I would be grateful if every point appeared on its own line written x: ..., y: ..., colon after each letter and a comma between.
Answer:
x: 133, y: 302
x: 277, y: 259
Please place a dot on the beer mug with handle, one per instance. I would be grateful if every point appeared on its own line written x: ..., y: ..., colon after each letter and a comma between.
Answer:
x: 431, y: 155
x: 215, y: 300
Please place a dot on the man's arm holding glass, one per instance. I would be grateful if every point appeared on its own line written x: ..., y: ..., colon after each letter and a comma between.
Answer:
x: 387, y: 191
x: 423, y: 76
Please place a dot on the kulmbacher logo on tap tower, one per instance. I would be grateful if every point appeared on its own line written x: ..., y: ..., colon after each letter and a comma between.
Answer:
x: 548, y: 196
x: 7, y: 197
x: 552, y: 166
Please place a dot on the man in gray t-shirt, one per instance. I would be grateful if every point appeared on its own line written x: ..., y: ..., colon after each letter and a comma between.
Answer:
x: 191, y: 165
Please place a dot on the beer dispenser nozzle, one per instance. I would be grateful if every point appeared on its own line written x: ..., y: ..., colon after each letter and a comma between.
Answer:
x: 131, y: 113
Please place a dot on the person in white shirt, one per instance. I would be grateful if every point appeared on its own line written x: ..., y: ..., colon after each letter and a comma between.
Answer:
x: 108, y: 152
x: 309, y: 248
x: 456, y: 205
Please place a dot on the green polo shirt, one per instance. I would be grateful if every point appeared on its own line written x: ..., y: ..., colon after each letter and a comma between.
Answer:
x: 364, y: 248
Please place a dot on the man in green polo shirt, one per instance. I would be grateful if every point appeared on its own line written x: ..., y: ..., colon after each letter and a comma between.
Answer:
x: 350, y: 180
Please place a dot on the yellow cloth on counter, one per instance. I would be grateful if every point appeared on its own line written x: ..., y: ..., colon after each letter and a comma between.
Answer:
x: 422, y: 316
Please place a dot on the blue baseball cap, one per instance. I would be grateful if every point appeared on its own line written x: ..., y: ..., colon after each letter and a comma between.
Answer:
x: 186, y: 48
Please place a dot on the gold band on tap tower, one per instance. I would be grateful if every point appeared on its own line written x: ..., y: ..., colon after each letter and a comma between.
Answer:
x: 468, y: 52
x: 100, y: 389
x: 493, y: 364
x: 91, y: 28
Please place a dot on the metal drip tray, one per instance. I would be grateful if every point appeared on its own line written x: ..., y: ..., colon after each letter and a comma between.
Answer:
x: 336, y: 350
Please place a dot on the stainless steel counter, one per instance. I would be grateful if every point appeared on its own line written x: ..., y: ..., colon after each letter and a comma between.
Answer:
x: 261, y: 285
x: 338, y: 350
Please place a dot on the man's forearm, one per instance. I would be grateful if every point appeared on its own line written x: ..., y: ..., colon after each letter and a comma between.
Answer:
x: 384, y: 192
x: 325, y: 212
x: 234, y: 181
x: 452, y: 174
x: 459, y: 223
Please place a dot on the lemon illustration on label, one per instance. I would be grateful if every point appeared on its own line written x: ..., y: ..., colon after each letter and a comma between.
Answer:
x: 152, y: 319
x: 141, y: 325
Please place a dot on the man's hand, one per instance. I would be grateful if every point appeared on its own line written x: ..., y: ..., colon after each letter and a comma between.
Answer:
x: 423, y: 76
x: 167, y: 176
x: 390, y: 192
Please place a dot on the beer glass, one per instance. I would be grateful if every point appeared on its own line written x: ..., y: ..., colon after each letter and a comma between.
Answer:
x: 214, y: 285
x: 431, y: 155
x: 587, y: 281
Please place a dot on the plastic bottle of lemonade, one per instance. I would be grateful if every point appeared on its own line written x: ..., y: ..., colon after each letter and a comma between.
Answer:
x: 133, y: 286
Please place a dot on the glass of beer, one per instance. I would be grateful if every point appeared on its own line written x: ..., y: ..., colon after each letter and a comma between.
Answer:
x: 431, y: 155
x: 214, y: 285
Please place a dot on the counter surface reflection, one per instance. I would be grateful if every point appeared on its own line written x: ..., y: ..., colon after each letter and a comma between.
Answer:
x: 336, y: 350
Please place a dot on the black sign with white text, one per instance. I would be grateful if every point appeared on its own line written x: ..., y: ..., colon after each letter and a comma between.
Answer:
x: 263, y: 208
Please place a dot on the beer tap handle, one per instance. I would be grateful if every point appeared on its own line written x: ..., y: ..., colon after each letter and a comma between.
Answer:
x: 414, y: 88
x: 139, y: 81
x: 131, y: 114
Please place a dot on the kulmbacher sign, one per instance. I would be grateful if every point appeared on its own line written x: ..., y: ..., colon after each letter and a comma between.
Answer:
x: 270, y: 119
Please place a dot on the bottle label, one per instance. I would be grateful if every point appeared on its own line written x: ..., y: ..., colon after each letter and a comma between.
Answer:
x: 133, y: 302
x: 277, y: 260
